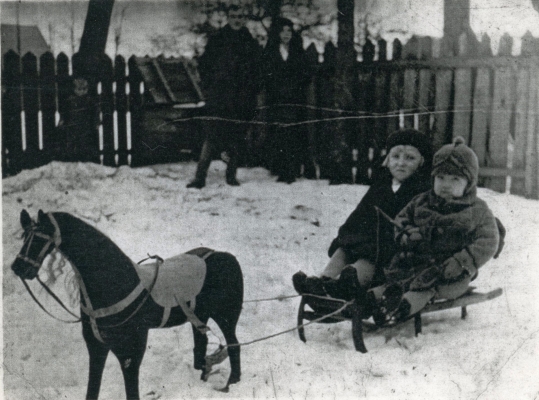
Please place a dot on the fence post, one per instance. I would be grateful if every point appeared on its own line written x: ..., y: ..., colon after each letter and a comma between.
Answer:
x: 524, y: 94
x: 381, y: 102
x: 502, y: 113
x: 425, y: 100
x: 463, y: 95
x: 531, y: 168
x: 442, y: 121
x: 107, y: 109
x: 325, y: 99
x: 135, y: 107
x: 121, y: 108
x: 11, y: 114
x: 481, y: 116
x: 396, y: 90
x: 365, y: 137
x: 31, y: 155
x: 47, y: 89
x: 311, y: 55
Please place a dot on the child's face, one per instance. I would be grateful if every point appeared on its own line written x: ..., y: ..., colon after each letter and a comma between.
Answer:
x: 285, y: 34
x: 80, y: 87
x: 236, y: 19
x: 450, y: 186
x: 403, y: 161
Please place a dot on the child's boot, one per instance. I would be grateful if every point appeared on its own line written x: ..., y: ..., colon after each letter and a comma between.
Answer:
x: 388, y: 304
x: 308, y: 284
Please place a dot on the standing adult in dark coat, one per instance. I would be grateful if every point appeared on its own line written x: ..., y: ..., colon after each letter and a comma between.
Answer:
x: 285, y: 76
x: 229, y: 75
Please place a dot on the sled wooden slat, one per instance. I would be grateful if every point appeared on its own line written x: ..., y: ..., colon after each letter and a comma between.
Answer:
x: 463, y: 301
x: 325, y: 307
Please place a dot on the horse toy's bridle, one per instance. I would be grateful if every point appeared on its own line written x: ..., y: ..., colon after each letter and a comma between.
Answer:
x: 32, y: 232
x: 56, y: 239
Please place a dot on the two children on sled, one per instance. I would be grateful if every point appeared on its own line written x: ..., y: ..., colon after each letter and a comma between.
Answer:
x: 408, y: 242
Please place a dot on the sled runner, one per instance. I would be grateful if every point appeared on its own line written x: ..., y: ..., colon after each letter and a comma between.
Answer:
x: 323, y: 306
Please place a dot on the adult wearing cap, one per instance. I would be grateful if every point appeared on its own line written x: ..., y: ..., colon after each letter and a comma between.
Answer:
x: 229, y: 75
x: 365, y: 242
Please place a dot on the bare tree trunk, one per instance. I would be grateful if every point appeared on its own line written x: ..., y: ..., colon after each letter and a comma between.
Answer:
x: 456, y: 23
x: 343, y: 82
x: 94, y: 36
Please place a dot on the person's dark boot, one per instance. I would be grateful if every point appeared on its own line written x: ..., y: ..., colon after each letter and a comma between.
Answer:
x: 314, y: 285
x: 308, y: 284
x: 346, y: 287
x: 298, y: 280
x: 197, y: 184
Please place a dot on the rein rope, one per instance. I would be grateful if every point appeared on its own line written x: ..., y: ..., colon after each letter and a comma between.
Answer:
x: 56, y: 298
x: 331, y: 314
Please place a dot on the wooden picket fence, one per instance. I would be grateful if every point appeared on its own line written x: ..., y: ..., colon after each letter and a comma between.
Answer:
x: 34, y: 97
x: 492, y: 101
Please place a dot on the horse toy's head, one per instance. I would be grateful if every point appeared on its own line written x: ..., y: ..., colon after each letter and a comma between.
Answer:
x: 40, y: 238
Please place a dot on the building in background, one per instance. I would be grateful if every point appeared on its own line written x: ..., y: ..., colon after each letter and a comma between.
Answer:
x: 23, y: 39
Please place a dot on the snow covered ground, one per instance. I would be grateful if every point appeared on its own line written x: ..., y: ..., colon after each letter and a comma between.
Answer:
x: 274, y: 230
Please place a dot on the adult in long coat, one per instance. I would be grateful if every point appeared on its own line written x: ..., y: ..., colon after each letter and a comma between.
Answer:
x: 285, y: 76
x: 229, y: 76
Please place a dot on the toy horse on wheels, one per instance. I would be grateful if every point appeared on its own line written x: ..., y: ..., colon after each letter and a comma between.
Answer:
x: 121, y: 301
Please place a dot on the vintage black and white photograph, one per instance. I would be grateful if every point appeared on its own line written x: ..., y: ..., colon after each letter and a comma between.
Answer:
x: 270, y: 199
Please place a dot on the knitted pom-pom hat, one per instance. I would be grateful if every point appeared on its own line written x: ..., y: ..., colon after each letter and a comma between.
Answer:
x: 456, y: 159
x: 410, y: 137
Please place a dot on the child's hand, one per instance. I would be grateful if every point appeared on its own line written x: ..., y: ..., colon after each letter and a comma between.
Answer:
x: 411, y: 238
x: 452, y: 268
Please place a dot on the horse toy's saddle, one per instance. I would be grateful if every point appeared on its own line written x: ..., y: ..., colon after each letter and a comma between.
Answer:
x: 179, y: 279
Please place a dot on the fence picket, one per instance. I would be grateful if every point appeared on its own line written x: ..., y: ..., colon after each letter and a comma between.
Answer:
x: 503, y: 99
x: 135, y: 107
x: 426, y: 96
x: 410, y: 103
x: 311, y: 56
x: 444, y: 78
x: 481, y: 116
x: 107, y: 109
x: 462, y: 103
x: 531, y: 180
x: 11, y: 115
x: 47, y: 90
x: 32, y: 154
x: 366, y: 137
x: 121, y: 108
x: 521, y: 125
x: 381, y: 103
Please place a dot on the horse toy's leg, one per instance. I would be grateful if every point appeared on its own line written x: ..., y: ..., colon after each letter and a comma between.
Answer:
x: 201, y: 345
x: 228, y: 327
x: 98, y: 353
x: 222, y: 298
x: 130, y: 350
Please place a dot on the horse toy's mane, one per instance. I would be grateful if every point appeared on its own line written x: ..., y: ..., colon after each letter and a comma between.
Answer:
x: 54, y: 267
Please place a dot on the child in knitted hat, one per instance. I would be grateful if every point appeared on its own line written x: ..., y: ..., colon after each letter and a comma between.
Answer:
x: 365, y: 242
x: 444, y: 236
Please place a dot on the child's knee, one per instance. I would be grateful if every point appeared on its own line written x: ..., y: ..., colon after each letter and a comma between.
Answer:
x: 453, y: 290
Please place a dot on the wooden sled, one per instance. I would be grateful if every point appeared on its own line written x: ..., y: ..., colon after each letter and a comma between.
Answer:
x: 322, y: 307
